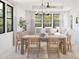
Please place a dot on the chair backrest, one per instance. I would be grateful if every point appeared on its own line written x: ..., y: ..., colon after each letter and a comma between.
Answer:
x: 68, y: 37
x: 24, y: 33
x: 18, y: 35
x: 33, y: 40
x: 53, y: 41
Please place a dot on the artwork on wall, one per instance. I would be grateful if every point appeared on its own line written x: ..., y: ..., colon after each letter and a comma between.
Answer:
x: 76, y: 20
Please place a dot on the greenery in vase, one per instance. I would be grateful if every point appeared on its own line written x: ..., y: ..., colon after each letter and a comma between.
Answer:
x: 22, y: 24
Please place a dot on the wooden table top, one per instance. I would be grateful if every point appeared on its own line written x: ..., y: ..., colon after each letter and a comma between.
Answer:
x: 47, y: 36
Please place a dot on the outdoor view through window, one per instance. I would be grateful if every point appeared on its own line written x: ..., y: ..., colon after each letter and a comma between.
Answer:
x: 2, y: 17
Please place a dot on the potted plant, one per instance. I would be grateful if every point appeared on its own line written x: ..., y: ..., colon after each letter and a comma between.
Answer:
x: 22, y: 24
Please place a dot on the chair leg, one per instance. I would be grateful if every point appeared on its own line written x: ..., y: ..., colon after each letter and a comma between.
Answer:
x: 16, y: 48
x: 70, y: 47
x: 38, y: 52
x: 47, y: 50
x: 58, y: 52
x: 26, y: 45
x: 62, y: 48
x: 28, y: 53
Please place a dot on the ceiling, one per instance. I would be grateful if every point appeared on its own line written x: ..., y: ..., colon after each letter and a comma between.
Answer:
x: 67, y: 4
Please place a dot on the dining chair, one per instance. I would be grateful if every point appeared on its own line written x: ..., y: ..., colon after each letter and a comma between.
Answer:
x: 24, y: 33
x: 25, y: 42
x: 33, y: 43
x: 18, y: 40
x: 53, y: 45
x: 68, y: 42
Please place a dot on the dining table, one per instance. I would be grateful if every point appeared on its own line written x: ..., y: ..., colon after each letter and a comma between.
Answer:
x: 25, y: 38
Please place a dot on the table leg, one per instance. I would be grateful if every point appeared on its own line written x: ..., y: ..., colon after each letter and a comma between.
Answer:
x: 64, y: 46
x: 22, y: 46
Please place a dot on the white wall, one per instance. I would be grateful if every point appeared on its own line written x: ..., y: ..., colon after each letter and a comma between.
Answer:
x: 19, y: 12
x: 30, y: 21
x: 6, y: 39
x: 65, y: 20
x: 75, y: 32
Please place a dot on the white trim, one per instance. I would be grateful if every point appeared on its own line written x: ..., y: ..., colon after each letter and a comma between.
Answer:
x: 10, y: 2
x: 5, y: 18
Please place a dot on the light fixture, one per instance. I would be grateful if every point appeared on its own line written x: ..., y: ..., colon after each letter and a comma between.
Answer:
x: 48, y: 5
x: 36, y: 13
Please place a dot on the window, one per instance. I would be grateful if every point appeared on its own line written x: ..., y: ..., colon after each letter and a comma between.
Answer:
x: 2, y: 17
x: 56, y: 21
x: 9, y: 18
x: 38, y: 20
x: 47, y: 20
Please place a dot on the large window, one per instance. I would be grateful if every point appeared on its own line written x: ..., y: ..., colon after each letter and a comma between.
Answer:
x: 38, y: 20
x: 2, y: 17
x: 56, y: 20
x: 47, y: 20
x: 9, y: 18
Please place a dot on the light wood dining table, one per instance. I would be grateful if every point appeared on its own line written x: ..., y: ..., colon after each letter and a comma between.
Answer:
x: 27, y: 37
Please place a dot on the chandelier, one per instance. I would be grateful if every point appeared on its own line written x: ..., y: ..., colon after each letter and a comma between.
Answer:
x: 46, y: 7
